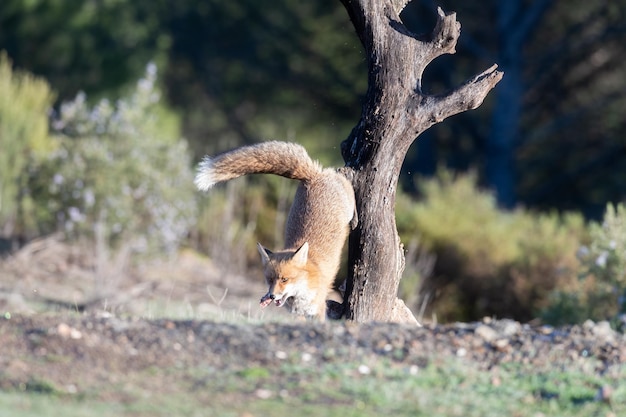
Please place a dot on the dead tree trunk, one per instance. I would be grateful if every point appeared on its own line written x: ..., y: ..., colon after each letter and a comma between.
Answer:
x: 395, y: 112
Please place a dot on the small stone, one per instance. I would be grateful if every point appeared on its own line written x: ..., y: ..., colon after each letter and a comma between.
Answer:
x: 364, y: 370
x: 509, y: 328
x: 501, y: 344
x: 603, y: 330
x: 486, y: 333
x: 68, y: 332
x: 588, y: 324
x: 604, y: 394
x: 263, y: 394
x: 63, y: 330
x: 546, y: 329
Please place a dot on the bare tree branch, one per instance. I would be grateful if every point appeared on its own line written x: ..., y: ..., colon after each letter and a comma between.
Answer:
x: 468, y: 96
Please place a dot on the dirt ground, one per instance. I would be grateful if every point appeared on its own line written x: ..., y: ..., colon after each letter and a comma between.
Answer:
x: 70, y: 326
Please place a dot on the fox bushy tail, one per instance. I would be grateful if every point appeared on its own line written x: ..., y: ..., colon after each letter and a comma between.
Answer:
x: 280, y: 158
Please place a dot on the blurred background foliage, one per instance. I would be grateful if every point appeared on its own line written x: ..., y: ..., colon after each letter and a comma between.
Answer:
x: 119, y: 174
x: 24, y: 105
x: 497, y: 202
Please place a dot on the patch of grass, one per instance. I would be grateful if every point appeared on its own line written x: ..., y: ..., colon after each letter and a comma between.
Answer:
x: 254, y: 372
x: 19, y: 404
x: 32, y: 385
x: 369, y: 387
x: 39, y: 386
x: 450, y: 389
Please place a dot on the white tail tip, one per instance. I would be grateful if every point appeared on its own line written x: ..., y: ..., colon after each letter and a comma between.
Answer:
x: 205, y: 177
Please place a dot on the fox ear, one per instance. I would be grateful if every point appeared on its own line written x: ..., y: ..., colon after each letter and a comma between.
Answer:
x: 301, y: 255
x: 265, y: 254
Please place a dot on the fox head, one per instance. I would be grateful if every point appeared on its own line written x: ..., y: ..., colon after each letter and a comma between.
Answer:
x: 285, y: 274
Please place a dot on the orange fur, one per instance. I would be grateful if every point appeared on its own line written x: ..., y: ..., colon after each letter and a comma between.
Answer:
x: 301, y: 276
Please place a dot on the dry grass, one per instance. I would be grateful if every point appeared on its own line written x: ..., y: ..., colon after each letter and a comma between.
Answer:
x: 52, y: 274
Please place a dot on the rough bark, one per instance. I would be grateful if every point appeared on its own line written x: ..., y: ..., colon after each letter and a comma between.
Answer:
x: 395, y: 112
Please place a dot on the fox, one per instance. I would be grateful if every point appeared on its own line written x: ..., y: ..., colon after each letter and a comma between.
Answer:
x: 300, y: 277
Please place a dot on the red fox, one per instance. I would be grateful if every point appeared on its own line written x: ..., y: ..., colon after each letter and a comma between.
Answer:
x: 301, y: 276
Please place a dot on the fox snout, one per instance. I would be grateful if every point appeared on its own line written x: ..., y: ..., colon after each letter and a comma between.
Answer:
x: 270, y: 297
x: 267, y: 299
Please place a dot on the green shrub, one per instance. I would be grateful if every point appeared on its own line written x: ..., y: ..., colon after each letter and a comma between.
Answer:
x: 606, y: 256
x: 600, y: 292
x: 488, y: 261
x: 120, y: 173
x: 25, y: 101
